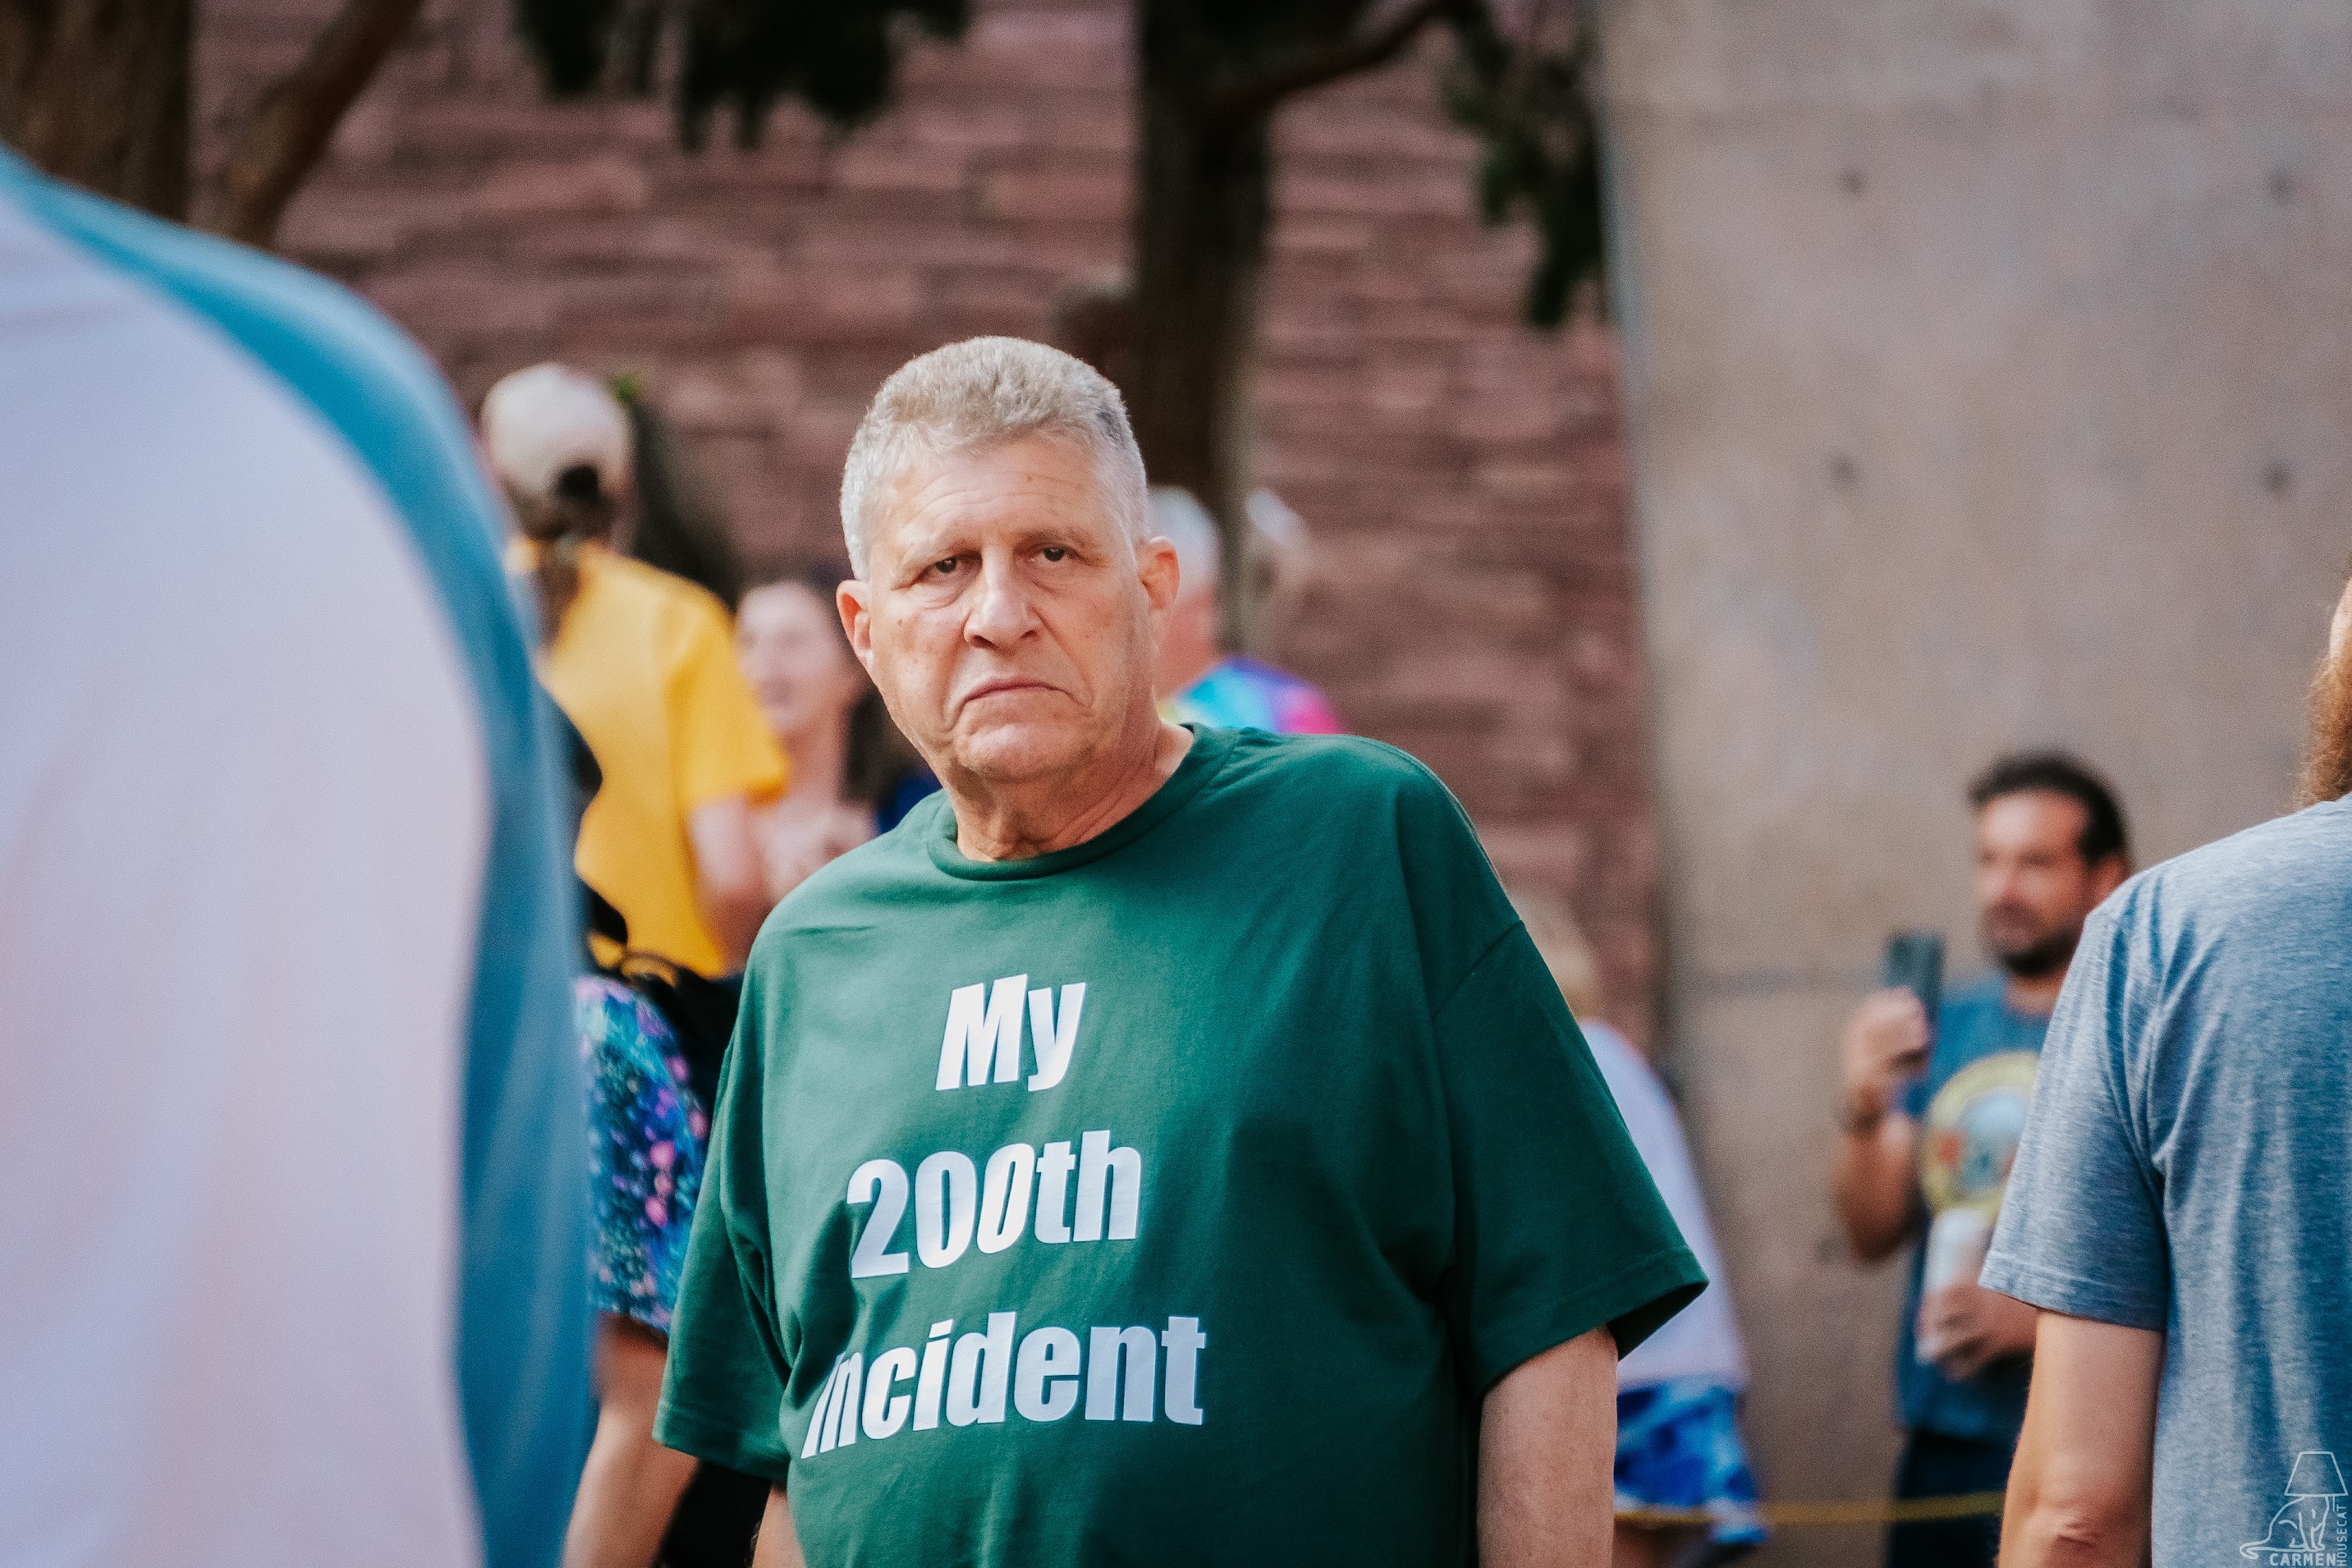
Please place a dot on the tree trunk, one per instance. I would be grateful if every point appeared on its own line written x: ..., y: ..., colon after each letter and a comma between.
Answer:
x: 98, y: 92
x: 1200, y: 249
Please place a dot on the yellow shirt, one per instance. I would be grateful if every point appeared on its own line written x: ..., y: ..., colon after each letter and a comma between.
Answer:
x: 645, y: 665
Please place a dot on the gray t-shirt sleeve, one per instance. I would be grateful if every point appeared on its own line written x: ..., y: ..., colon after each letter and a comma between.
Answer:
x: 2081, y: 1224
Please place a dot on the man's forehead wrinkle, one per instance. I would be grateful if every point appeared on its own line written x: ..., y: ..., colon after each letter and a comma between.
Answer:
x: 1032, y: 492
x: 911, y: 515
x: 952, y: 512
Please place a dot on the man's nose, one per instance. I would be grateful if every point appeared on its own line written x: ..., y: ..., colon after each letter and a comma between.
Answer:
x: 1001, y: 613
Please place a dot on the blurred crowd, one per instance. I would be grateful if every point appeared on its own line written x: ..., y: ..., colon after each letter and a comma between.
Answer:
x: 478, y: 752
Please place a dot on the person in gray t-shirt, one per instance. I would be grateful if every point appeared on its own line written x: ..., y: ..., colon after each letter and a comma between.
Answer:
x: 2181, y: 1207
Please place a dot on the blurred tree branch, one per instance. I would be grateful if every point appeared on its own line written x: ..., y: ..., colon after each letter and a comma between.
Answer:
x: 100, y: 92
x: 289, y: 130
x: 1263, y: 88
x: 1215, y: 73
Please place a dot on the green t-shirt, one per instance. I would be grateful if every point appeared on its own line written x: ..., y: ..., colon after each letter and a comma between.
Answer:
x: 1170, y: 1198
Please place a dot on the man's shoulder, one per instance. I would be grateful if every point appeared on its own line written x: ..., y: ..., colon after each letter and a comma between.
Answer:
x: 1359, y: 815
x: 2291, y: 874
x: 1340, y: 770
x: 2314, y: 845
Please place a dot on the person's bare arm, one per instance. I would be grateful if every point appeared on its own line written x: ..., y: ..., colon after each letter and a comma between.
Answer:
x: 779, y: 1545
x: 2079, y: 1488
x: 730, y: 883
x: 1546, y: 1459
x: 631, y: 1484
x: 1876, y: 1182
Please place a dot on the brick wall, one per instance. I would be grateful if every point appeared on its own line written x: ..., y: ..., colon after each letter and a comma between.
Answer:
x: 1473, y: 598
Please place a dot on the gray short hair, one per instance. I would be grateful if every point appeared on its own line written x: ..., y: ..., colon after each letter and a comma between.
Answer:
x: 981, y: 393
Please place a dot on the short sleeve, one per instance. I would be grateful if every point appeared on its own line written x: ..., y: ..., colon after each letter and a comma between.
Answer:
x: 1559, y: 1230
x: 2082, y: 1223
x: 721, y: 743
x: 722, y: 1394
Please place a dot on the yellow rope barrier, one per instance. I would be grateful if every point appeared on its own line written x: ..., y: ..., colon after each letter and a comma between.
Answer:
x: 1830, y: 1515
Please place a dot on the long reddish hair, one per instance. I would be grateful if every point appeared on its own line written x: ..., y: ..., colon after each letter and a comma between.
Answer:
x: 2327, y: 759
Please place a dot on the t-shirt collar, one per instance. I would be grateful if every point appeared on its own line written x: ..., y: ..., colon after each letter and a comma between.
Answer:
x: 1205, y: 756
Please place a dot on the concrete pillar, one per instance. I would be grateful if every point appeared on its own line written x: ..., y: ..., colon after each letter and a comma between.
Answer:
x: 1989, y: 370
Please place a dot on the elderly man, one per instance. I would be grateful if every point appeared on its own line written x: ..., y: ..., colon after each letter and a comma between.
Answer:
x: 1076, y: 1199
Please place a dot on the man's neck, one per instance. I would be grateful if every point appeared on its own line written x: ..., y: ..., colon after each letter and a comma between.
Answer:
x: 2036, y: 997
x: 1027, y: 821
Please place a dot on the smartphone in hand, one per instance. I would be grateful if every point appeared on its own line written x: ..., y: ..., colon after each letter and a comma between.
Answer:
x: 1914, y: 963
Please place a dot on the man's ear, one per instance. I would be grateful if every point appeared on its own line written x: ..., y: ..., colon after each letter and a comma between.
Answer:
x: 1155, y: 561
x: 2108, y: 873
x: 854, y: 600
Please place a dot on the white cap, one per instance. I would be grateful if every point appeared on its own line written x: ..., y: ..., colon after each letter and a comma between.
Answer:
x: 538, y: 422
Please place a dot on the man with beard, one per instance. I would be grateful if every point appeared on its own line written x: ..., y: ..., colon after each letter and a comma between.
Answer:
x: 2182, y: 1211
x: 1931, y: 1121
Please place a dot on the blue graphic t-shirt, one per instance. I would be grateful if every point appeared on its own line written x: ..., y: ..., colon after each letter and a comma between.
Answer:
x: 1970, y: 1106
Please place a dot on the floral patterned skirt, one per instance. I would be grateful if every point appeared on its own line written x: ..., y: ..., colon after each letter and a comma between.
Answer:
x: 646, y: 1135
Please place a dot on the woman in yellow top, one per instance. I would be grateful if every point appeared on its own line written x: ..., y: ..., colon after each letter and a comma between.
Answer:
x: 644, y: 663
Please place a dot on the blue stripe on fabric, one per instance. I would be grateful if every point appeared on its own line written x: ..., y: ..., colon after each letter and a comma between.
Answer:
x: 522, y: 1319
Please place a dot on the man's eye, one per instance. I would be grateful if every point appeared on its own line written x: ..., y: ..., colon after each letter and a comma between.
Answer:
x: 1055, y: 552
x: 945, y: 566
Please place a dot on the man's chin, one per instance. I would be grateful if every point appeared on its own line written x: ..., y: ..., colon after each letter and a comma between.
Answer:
x: 2031, y: 961
x: 1014, y: 752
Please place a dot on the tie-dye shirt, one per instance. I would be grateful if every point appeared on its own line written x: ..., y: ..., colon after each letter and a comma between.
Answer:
x: 1241, y: 693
